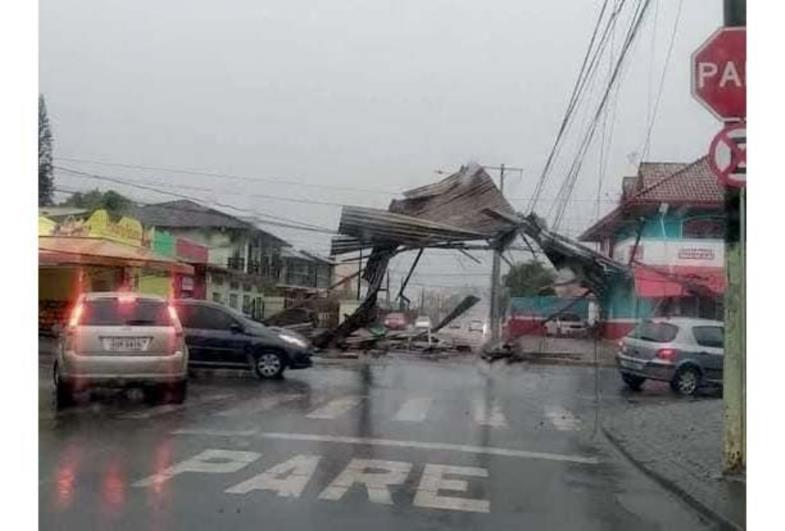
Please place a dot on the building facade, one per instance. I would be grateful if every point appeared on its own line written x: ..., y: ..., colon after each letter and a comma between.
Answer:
x: 669, y: 227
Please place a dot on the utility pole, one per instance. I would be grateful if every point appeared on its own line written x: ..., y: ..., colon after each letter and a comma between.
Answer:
x: 494, y: 313
x: 359, y: 273
x: 734, y: 395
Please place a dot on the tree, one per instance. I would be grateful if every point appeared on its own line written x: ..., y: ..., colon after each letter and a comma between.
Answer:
x: 529, y: 279
x: 45, y: 170
x: 110, y: 201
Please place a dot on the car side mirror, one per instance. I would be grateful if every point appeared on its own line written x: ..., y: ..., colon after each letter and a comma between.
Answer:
x: 236, y: 328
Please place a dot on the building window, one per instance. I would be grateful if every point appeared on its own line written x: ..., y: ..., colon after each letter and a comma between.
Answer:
x: 247, y: 287
x: 218, y: 280
x: 233, y: 300
x: 216, y: 297
x: 247, y: 304
x: 703, y: 228
x: 234, y: 285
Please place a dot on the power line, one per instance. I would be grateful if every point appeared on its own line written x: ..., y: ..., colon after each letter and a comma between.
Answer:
x: 568, y: 112
x: 254, y: 217
x: 569, y: 182
x: 653, y: 116
x: 205, y: 173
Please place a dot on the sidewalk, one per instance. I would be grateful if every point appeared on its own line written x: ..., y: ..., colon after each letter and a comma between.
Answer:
x: 566, y: 351
x: 680, y: 446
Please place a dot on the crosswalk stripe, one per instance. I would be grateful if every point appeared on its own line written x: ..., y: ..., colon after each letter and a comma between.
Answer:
x: 562, y: 419
x: 258, y: 405
x: 335, y: 408
x: 168, y: 408
x: 485, y: 416
x: 414, y: 410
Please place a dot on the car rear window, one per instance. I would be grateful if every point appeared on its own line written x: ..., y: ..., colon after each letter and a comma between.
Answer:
x: 112, y: 312
x: 569, y: 317
x: 709, y: 336
x: 656, y: 332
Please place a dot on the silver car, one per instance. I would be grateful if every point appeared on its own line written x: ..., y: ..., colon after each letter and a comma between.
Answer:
x: 122, y: 340
x: 686, y: 352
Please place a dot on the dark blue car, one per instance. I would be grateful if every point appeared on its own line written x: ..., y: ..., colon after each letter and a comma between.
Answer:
x: 219, y: 337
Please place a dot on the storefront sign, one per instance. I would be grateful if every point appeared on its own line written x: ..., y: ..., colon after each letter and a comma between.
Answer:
x: 691, y: 253
x: 188, y: 251
x: 127, y: 230
x: 163, y: 243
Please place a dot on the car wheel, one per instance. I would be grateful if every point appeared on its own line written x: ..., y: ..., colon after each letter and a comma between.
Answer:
x: 269, y: 365
x: 178, y: 392
x: 686, y: 381
x: 64, y: 394
x: 632, y: 381
x: 153, y: 395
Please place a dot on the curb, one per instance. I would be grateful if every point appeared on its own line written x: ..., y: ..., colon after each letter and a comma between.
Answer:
x: 670, y: 485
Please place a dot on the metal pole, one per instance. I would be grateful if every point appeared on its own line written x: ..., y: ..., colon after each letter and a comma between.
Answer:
x: 734, y: 359
x: 493, y: 316
x: 359, y: 276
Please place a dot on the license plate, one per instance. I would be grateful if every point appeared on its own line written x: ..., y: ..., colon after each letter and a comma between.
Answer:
x: 631, y: 364
x: 126, y: 344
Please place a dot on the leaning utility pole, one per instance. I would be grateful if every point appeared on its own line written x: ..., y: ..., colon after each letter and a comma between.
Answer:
x: 495, y: 311
x: 734, y: 395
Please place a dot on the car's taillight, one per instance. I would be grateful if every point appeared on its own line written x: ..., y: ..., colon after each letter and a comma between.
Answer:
x: 76, y: 316
x: 667, y: 354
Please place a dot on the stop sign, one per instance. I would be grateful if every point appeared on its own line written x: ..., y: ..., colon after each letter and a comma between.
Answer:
x: 719, y: 79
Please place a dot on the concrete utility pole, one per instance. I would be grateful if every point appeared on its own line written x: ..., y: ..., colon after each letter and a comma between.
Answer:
x: 734, y: 395
x: 495, y: 311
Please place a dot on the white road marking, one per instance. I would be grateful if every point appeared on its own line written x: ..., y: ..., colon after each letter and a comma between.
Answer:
x: 219, y: 433
x: 376, y: 482
x: 335, y: 408
x: 264, y: 403
x: 168, y: 408
x: 296, y: 473
x: 433, y: 481
x: 486, y: 450
x: 492, y: 416
x: 562, y: 419
x: 414, y: 410
x: 211, y: 461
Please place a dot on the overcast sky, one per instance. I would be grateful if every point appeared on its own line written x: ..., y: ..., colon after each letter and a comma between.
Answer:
x: 370, y: 97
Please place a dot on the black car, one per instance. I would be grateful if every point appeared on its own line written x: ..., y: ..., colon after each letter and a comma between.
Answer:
x: 219, y: 337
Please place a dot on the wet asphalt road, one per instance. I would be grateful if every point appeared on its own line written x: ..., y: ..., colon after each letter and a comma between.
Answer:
x: 397, y: 444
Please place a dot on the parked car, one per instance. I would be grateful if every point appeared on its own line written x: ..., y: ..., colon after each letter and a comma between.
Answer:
x: 395, y: 321
x: 686, y: 352
x: 477, y: 326
x: 423, y: 322
x: 121, y: 340
x: 454, y: 325
x: 220, y: 337
x: 567, y: 324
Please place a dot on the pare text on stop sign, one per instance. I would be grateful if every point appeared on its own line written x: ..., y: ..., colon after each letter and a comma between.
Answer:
x: 729, y: 74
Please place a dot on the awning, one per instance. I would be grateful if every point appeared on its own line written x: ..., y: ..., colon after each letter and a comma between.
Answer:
x: 678, y: 281
x: 61, y: 250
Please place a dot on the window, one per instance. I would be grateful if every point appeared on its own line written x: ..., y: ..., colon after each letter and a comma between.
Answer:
x: 218, y: 280
x: 209, y: 318
x: 234, y: 285
x: 709, y: 336
x: 656, y: 332
x: 247, y: 287
x: 111, y: 312
x: 233, y: 300
x: 246, y: 304
x: 216, y: 297
x: 703, y: 228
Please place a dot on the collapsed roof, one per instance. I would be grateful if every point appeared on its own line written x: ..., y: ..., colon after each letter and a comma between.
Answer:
x: 451, y: 210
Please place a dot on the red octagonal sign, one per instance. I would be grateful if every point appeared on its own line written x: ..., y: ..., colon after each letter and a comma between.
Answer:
x: 719, y: 77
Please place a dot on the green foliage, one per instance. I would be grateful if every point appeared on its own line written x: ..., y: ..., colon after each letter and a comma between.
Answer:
x: 529, y: 279
x: 45, y: 171
x: 110, y: 201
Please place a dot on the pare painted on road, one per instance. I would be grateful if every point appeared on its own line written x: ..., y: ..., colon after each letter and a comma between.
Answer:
x: 378, y: 477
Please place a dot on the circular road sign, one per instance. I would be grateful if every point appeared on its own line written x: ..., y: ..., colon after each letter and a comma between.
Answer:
x: 728, y: 155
